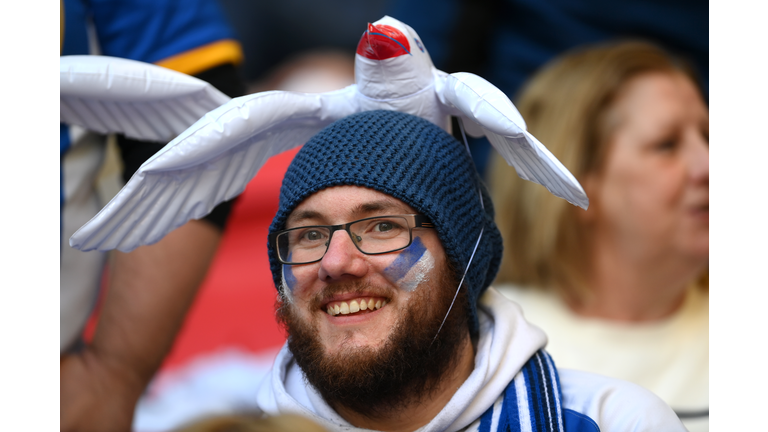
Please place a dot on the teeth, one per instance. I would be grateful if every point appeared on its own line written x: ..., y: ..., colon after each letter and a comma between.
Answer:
x: 354, y: 306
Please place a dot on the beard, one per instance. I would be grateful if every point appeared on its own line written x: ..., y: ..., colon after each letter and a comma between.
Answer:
x: 405, y: 370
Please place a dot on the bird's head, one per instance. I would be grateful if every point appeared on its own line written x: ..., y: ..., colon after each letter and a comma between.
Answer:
x: 391, y: 61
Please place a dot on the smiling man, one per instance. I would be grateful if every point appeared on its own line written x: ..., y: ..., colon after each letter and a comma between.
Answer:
x: 383, y: 250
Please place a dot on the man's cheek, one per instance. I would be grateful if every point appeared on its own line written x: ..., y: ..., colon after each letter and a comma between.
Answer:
x: 289, y: 280
x: 411, y: 267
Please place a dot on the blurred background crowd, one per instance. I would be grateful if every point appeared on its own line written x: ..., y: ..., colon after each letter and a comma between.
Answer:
x: 618, y: 92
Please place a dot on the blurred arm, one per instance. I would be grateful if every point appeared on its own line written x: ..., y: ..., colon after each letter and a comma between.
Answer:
x: 150, y: 292
x: 150, y: 289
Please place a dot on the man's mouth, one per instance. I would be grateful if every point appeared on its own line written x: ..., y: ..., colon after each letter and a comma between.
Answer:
x: 355, y: 306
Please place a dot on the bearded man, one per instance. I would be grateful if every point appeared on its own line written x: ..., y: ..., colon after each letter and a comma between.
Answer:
x: 383, y: 250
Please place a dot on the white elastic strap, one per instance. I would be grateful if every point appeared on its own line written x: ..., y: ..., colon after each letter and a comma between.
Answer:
x: 477, y: 243
x: 460, y: 282
x: 466, y: 146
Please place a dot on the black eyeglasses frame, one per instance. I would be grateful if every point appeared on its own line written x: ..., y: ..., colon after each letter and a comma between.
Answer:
x: 413, y: 220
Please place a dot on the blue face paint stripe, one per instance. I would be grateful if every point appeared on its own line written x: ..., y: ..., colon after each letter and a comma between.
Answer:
x: 288, y: 277
x: 407, y: 258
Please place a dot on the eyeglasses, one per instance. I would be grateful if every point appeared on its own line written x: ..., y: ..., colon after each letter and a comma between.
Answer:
x: 372, y: 236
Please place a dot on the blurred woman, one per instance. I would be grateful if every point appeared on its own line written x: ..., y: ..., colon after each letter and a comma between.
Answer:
x: 620, y: 289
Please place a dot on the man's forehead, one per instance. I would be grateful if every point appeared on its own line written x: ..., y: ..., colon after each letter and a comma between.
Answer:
x: 340, y: 204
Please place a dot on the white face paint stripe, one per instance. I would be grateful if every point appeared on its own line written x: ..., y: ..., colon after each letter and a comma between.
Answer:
x: 287, y: 291
x: 419, y: 273
x: 411, y: 266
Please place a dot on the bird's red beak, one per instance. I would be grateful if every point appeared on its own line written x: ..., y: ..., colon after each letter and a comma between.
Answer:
x: 381, y: 42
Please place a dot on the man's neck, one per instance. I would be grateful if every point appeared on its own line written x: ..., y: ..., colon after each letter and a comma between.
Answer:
x: 417, y: 414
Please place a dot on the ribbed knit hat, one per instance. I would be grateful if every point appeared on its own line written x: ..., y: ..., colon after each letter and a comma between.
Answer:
x: 415, y: 161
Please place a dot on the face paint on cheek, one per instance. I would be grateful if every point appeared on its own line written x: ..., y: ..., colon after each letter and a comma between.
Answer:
x: 289, y: 280
x: 411, y: 267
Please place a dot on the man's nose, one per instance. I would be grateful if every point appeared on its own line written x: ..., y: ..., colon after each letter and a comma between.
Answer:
x: 342, y: 260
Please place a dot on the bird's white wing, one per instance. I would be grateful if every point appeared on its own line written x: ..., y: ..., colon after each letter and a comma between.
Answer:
x: 485, y: 107
x: 209, y: 163
x: 141, y: 100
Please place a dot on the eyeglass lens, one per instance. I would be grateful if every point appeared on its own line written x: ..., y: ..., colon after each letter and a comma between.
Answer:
x: 371, y: 236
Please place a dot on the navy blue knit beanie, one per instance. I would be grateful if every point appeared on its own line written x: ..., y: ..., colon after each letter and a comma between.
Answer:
x: 415, y: 161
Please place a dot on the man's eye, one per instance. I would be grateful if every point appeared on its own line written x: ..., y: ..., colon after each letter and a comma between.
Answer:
x: 384, y: 227
x: 312, y: 236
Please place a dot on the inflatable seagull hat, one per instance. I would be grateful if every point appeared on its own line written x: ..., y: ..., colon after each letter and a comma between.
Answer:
x: 213, y: 159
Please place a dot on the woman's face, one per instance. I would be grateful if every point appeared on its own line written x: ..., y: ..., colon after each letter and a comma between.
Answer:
x: 653, y: 194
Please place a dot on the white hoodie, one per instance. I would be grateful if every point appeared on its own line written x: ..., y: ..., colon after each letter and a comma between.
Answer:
x: 506, y: 343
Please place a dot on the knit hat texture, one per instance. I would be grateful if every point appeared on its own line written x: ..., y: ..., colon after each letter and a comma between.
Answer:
x: 415, y: 161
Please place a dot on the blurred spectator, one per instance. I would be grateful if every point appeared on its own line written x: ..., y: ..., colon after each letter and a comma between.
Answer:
x: 506, y: 41
x: 620, y: 289
x: 150, y: 288
x: 314, y: 71
x: 272, y: 33
x: 245, y: 423
x: 221, y: 377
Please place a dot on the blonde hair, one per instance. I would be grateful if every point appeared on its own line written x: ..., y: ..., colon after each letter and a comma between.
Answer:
x: 568, y: 107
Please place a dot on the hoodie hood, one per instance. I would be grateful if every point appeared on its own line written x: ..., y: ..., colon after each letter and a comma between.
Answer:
x: 505, y: 344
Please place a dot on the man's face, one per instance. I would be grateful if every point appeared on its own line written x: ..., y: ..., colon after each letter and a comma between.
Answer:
x: 373, y: 360
x: 346, y: 277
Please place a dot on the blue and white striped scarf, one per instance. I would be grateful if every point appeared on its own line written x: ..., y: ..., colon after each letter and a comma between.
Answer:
x: 531, y: 401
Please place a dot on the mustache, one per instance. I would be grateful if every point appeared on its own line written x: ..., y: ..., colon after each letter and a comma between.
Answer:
x: 407, y: 369
x: 354, y: 287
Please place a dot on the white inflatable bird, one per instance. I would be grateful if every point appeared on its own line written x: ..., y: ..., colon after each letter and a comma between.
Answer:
x: 214, y: 159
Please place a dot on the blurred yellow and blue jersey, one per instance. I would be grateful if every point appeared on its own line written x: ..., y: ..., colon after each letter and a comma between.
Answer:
x: 189, y: 36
